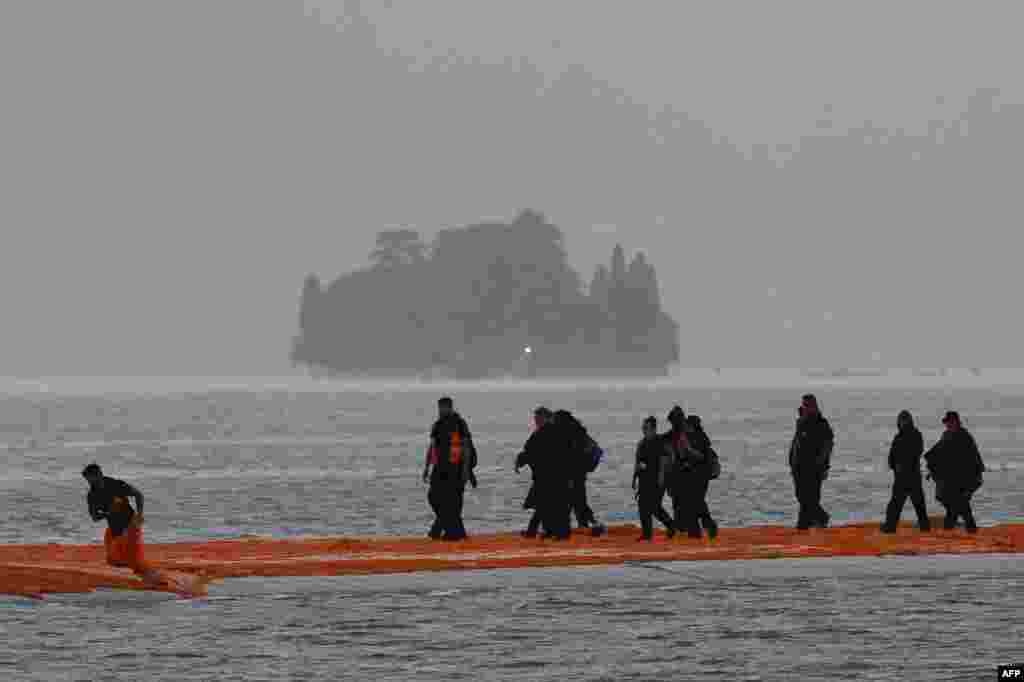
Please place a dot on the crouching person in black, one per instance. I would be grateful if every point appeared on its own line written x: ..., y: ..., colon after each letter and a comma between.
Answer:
x: 652, y: 467
x: 544, y: 452
x: 905, y: 462
x: 955, y: 465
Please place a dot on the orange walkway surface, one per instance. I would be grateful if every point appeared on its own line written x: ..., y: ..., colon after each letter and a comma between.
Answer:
x: 34, y: 570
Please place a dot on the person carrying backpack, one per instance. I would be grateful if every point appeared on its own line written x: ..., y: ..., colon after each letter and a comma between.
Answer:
x: 687, y: 473
x: 584, y: 454
x: 710, y: 470
x: 544, y: 453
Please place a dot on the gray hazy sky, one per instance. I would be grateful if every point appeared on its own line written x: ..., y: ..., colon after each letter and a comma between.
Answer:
x: 169, y: 172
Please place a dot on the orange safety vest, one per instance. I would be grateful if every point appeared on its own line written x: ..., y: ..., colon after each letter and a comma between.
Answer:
x: 455, y: 450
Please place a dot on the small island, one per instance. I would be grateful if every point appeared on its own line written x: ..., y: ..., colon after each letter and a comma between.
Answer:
x: 486, y: 301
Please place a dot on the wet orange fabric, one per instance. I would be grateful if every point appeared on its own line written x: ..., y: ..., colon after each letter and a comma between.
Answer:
x: 126, y: 549
x: 188, y: 566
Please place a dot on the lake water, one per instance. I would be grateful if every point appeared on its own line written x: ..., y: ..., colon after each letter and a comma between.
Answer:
x: 348, y: 463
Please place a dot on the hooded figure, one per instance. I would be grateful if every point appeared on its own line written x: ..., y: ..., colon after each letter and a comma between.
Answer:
x: 956, y: 466
x: 578, y: 449
x: 545, y: 454
x: 905, y: 463
x: 700, y: 441
x: 810, y: 457
x: 687, y: 473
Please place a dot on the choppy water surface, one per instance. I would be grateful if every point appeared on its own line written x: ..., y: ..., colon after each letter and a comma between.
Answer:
x: 273, y: 463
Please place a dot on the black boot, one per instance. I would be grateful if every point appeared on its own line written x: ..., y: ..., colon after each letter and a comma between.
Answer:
x: 435, y: 530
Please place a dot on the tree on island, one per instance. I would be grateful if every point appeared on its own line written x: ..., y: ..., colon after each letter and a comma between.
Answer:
x: 484, y: 293
x: 398, y: 247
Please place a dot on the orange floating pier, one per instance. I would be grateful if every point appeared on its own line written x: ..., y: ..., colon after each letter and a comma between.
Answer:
x: 34, y: 570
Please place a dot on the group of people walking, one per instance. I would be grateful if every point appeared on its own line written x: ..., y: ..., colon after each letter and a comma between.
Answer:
x: 954, y: 464
x: 682, y: 463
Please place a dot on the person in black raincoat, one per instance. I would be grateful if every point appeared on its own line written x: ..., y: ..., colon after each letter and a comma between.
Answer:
x: 810, y: 457
x: 956, y: 466
x: 905, y: 463
x: 545, y: 454
x: 700, y: 440
x: 578, y: 452
x: 687, y: 474
x: 451, y: 459
x: 541, y: 416
x: 649, y: 480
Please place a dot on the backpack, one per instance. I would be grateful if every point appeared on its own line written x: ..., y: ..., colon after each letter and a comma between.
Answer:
x: 587, y: 449
x: 712, y: 466
x: 594, y: 454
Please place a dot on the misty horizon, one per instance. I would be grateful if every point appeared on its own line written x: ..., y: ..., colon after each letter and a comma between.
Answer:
x: 680, y: 379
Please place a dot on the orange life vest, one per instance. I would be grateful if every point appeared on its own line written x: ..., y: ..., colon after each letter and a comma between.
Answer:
x: 455, y: 450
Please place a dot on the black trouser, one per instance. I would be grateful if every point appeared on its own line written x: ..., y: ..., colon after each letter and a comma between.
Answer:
x: 550, y: 501
x: 531, y: 503
x: 808, y: 493
x: 649, y: 502
x: 957, y: 502
x: 578, y: 502
x: 686, y: 503
x: 902, y: 488
x: 446, y: 499
x: 555, y: 514
x: 703, y: 512
x: 550, y: 505
x: 534, y: 525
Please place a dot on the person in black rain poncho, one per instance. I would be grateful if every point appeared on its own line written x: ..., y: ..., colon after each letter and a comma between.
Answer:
x: 545, y: 453
x: 687, y: 478
x: 580, y: 447
x: 956, y: 466
x: 541, y: 416
x: 709, y: 470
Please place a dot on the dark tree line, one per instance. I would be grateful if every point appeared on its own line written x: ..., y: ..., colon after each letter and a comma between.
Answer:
x: 474, y: 300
